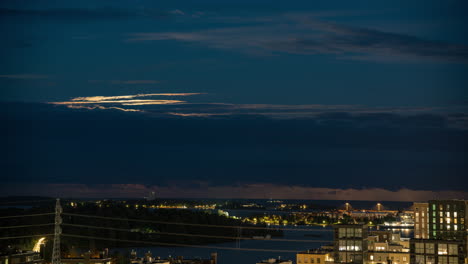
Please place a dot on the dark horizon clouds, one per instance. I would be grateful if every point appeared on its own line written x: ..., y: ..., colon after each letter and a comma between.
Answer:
x: 47, y: 144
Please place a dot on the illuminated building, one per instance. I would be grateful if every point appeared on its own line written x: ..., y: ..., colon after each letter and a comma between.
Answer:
x: 88, y: 258
x: 315, y: 256
x: 446, y: 239
x: 421, y: 220
x: 21, y: 257
x: 431, y: 251
x: 275, y: 261
x: 447, y: 219
x: 350, y: 243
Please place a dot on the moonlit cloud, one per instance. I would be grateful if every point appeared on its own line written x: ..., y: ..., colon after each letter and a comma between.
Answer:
x: 95, y: 102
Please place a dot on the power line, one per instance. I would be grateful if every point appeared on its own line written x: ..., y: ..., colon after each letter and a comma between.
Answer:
x: 15, y: 216
x: 24, y: 226
x: 182, y: 245
x: 201, y: 235
x: 15, y: 237
x: 193, y: 224
x: 30, y: 201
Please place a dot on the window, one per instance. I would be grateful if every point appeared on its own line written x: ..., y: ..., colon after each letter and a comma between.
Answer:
x: 371, y: 257
x: 453, y: 249
x: 342, y: 245
x: 420, y: 259
x: 453, y: 260
x: 318, y: 260
x: 311, y: 260
x: 433, y: 207
x: 454, y: 214
x: 429, y: 248
x: 455, y: 227
x: 358, y: 232
x: 448, y: 214
x: 430, y: 260
x: 442, y: 249
x: 349, y: 232
x: 443, y: 260
x: 341, y: 232
x: 419, y: 247
x: 358, y: 245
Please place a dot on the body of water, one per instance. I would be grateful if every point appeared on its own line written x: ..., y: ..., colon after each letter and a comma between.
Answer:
x: 226, y: 256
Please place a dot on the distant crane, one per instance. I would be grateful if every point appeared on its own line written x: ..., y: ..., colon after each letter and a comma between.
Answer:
x: 56, y: 257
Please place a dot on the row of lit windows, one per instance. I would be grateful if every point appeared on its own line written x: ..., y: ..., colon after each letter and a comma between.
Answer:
x: 349, y: 245
x: 442, y: 249
x: 349, y: 232
x: 441, y: 207
x: 431, y: 260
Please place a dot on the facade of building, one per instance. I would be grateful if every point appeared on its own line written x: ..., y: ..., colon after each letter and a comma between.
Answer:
x: 446, y: 238
x: 275, y: 261
x: 87, y: 258
x: 421, y: 220
x: 432, y: 251
x: 350, y: 243
x: 315, y: 256
x: 448, y: 219
x: 21, y: 257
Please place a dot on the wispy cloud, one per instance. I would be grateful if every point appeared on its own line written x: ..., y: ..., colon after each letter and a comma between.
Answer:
x: 125, y: 81
x: 299, y: 34
x: 24, y: 76
x: 119, y: 101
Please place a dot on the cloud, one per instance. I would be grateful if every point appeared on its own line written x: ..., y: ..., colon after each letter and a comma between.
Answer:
x: 246, y: 191
x: 121, y: 100
x: 126, y: 81
x: 24, y: 76
x: 302, y: 35
x: 75, y: 14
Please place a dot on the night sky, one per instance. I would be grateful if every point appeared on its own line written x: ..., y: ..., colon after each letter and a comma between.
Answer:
x: 349, y: 100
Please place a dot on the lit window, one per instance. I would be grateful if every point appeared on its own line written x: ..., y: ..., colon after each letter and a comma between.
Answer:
x: 442, y: 250
x: 448, y: 227
x: 455, y: 227
x: 454, y: 214
x: 429, y: 248
x: 419, y: 247
x: 371, y: 257
x: 453, y: 249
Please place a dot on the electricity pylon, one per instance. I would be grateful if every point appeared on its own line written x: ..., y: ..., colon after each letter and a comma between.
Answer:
x: 56, y: 258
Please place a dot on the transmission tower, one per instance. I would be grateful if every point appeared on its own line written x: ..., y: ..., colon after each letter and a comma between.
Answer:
x: 58, y: 220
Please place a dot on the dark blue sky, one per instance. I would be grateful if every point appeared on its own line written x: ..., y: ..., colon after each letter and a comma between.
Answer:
x: 326, y: 94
